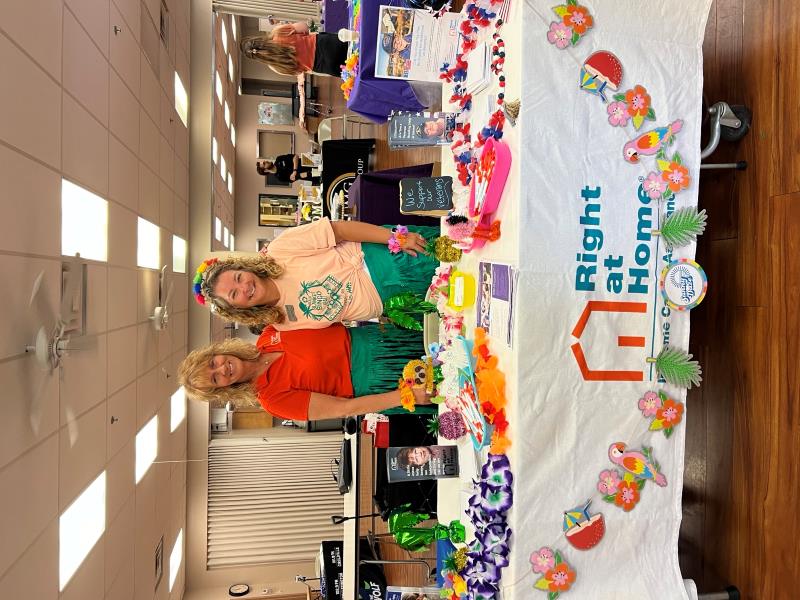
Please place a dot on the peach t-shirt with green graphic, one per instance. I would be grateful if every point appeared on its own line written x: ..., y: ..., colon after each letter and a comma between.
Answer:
x: 323, y: 282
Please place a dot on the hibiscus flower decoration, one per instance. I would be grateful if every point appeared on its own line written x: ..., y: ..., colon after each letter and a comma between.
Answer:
x: 637, y: 101
x: 649, y: 404
x: 654, y: 186
x: 559, y: 35
x: 543, y: 560
x: 578, y: 18
x: 618, y: 114
x: 627, y: 495
x: 560, y: 578
x: 676, y: 176
x: 670, y: 413
x: 609, y: 481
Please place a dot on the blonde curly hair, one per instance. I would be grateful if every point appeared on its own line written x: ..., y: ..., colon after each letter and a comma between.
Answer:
x: 193, y: 374
x: 264, y: 267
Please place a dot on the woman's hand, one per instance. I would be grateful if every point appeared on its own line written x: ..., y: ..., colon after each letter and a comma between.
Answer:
x: 356, y: 231
x: 293, y: 176
x: 414, y: 243
x: 421, y: 396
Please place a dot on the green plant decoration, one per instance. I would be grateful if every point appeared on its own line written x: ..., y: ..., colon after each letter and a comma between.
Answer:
x: 683, y: 226
x: 405, y: 310
x: 677, y: 367
x: 432, y: 426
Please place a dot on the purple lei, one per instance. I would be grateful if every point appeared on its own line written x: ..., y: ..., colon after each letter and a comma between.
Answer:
x: 487, y: 510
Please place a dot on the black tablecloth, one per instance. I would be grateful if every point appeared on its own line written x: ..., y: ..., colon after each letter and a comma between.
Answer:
x: 376, y: 196
x: 342, y: 162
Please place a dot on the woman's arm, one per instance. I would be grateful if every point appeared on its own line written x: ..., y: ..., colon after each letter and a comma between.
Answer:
x: 322, y: 406
x: 285, y: 29
x: 300, y: 27
x: 355, y: 231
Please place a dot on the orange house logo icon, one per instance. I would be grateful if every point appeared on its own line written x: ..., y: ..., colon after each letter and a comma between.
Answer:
x: 624, y: 341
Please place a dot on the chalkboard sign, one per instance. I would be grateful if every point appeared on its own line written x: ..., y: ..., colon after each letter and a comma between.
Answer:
x: 428, y: 196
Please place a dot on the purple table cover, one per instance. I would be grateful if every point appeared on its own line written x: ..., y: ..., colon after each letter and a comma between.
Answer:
x: 376, y: 196
x: 335, y: 15
x: 373, y: 97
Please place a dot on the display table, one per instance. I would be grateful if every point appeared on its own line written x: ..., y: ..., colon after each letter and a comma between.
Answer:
x: 373, y: 97
x: 334, y: 15
x: 578, y: 223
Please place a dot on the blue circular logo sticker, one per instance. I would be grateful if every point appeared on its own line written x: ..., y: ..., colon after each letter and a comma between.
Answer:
x: 683, y: 284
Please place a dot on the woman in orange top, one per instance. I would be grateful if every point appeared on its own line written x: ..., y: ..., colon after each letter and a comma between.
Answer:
x: 303, y: 374
x: 291, y: 49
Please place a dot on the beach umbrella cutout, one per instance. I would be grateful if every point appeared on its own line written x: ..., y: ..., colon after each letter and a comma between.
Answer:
x: 601, y: 70
x: 682, y: 227
x: 583, y: 529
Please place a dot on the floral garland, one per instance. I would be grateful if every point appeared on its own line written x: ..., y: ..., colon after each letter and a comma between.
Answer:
x: 491, y: 384
x: 478, y: 577
x: 350, y: 66
x: 477, y: 19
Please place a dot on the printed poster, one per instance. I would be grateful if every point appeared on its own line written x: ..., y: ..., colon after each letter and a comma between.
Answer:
x: 413, y: 44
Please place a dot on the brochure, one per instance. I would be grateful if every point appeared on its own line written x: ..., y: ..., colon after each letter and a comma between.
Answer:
x: 413, y: 44
x: 495, y: 311
x: 420, y: 129
x: 416, y: 463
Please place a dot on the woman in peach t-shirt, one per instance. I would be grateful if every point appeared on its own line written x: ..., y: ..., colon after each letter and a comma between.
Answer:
x: 291, y: 49
x: 318, y: 274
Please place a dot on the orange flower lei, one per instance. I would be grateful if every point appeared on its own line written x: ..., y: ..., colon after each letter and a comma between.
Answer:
x: 491, y: 384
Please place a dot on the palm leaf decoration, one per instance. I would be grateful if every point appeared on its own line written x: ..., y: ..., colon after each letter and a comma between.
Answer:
x: 405, y: 310
x: 677, y: 367
x: 683, y: 226
x: 433, y: 426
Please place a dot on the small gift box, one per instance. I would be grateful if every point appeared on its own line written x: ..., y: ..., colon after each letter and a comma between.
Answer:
x: 378, y: 426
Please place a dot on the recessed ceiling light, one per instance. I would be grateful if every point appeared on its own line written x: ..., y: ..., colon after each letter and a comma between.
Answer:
x: 178, y: 254
x: 79, y: 528
x: 84, y: 222
x: 224, y: 34
x: 217, y: 229
x: 146, y: 447
x: 148, y: 245
x: 175, y: 559
x: 181, y: 100
x: 177, y: 408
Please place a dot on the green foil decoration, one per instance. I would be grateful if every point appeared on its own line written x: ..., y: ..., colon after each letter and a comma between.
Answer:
x: 403, y: 526
x: 407, y: 309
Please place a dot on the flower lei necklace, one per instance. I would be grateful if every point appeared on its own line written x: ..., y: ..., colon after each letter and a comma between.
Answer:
x: 477, y: 18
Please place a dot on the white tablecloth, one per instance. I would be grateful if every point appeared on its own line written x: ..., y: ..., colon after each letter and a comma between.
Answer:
x: 562, y: 425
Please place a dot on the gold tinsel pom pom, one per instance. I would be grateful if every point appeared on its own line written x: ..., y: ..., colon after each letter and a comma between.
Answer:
x: 445, y: 251
x: 460, y: 557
